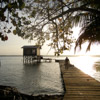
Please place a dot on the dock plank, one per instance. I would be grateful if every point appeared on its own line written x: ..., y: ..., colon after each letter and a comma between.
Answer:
x: 79, y: 86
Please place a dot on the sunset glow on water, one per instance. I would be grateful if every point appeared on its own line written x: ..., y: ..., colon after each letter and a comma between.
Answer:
x: 88, y: 64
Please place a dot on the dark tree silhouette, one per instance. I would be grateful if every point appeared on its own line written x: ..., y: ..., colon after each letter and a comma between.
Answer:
x: 59, y: 16
x: 9, y: 15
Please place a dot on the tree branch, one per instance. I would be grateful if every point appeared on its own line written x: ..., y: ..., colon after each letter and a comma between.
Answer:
x: 76, y: 9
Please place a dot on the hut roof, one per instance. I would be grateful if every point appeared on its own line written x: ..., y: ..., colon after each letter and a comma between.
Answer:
x: 32, y: 46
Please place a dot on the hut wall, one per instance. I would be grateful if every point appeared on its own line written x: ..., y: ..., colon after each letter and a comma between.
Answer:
x: 29, y: 52
x: 38, y: 51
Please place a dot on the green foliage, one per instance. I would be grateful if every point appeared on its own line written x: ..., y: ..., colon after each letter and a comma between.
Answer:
x: 9, y: 14
x: 33, y: 13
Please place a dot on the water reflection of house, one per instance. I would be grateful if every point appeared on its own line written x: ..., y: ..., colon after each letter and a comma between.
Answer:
x: 31, y: 53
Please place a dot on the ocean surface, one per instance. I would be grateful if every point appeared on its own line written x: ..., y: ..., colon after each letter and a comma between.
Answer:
x: 32, y: 79
x: 43, y: 78
x: 88, y: 64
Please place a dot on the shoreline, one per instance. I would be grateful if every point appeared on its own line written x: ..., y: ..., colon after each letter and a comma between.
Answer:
x: 11, y: 93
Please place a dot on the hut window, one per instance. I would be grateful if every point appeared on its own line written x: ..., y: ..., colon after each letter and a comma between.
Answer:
x: 33, y: 51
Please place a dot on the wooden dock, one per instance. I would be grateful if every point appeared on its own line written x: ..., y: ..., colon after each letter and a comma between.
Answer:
x: 78, y: 85
x: 47, y: 59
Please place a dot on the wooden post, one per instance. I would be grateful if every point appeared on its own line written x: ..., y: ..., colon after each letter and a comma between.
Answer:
x: 0, y: 63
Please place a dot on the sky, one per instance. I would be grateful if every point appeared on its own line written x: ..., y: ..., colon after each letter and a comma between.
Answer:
x: 13, y: 46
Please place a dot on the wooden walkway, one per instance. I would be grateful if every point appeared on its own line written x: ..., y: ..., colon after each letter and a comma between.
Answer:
x: 47, y: 59
x: 79, y: 86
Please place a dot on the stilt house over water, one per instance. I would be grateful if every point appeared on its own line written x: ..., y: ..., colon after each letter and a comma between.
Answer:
x: 31, y: 53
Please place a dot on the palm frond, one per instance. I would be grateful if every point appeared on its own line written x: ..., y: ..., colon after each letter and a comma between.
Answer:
x: 90, y: 33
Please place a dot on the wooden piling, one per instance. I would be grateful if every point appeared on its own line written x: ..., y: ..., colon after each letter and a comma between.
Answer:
x: 31, y: 59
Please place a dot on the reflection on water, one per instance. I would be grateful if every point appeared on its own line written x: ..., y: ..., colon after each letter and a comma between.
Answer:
x: 89, y: 65
x: 97, y: 66
x: 44, y: 78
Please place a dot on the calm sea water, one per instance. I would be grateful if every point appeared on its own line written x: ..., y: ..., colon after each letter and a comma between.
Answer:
x: 43, y: 78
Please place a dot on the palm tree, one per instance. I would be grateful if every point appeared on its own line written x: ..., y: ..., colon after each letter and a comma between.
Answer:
x: 90, y: 23
x: 90, y: 33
